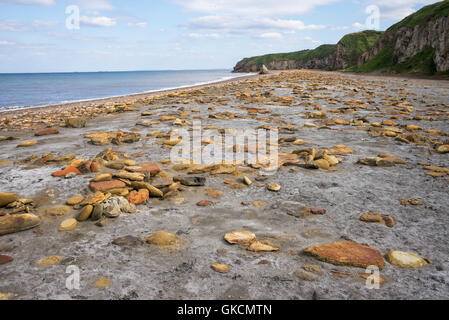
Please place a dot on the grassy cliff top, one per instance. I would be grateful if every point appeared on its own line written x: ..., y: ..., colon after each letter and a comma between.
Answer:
x: 357, y: 43
x: 433, y: 11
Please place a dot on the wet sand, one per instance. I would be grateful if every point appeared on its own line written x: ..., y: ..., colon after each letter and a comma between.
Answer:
x: 356, y: 111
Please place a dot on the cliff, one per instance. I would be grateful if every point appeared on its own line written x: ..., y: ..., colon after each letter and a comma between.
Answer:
x: 419, y: 43
x: 328, y: 56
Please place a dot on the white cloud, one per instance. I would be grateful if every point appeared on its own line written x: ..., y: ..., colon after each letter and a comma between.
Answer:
x: 42, y: 23
x: 270, y: 35
x: 397, y: 9
x: 252, y: 8
x: 137, y: 24
x: 31, y: 2
x: 12, y: 26
x: 6, y: 43
x: 98, y: 21
x: 237, y: 25
x: 204, y: 35
x: 358, y: 26
x: 95, y: 5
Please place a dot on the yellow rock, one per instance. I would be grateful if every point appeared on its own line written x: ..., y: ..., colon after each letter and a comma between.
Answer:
x: 6, y: 198
x: 257, y: 246
x: 274, y: 187
x: 18, y: 222
x: 298, y: 142
x: 163, y: 239
x: 49, y: 261
x: 443, y: 149
x: 322, y: 164
x: 68, y: 225
x: 7, y: 296
x: 239, y: 237
x: 85, y: 213
x: 75, y: 200
x: 222, y: 268
x: 130, y: 163
x: 58, y: 211
x: 405, y: 259
x: 77, y: 163
x: 27, y: 143
x: 102, y: 282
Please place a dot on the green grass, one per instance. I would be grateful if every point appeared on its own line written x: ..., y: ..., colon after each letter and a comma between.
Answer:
x: 357, y: 43
x: 433, y: 11
x: 384, y: 60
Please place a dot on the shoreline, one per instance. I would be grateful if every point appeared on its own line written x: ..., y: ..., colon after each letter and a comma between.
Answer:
x: 120, y: 98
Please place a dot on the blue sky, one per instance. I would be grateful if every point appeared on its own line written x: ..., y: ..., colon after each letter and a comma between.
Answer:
x: 175, y: 34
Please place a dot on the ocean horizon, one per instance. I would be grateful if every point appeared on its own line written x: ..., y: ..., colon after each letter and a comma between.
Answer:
x: 28, y: 90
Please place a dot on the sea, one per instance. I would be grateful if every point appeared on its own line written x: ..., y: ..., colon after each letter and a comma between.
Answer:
x: 27, y: 90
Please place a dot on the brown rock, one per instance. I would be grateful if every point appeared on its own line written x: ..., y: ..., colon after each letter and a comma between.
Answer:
x: 85, y: 213
x: 149, y: 167
x: 27, y: 143
x: 5, y: 259
x: 372, y: 217
x: 7, y: 198
x: 46, y: 132
x: 66, y: 171
x: 18, y: 222
x: 347, y: 253
x: 76, y: 122
x: 221, y: 268
x: 239, y: 237
x: 138, y: 197
x: 75, y: 200
x: 204, y: 203
x: 106, y: 185
x: 258, y: 246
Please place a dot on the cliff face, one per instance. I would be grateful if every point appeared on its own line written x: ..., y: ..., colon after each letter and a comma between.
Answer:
x: 407, y: 42
x: 329, y: 57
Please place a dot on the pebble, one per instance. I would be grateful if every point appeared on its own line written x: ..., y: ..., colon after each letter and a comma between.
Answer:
x: 18, y: 222
x: 258, y: 246
x: 102, y: 282
x: 204, y: 203
x: 221, y: 268
x: 239, y: 237
x: 75, y: 200
x: 67, y: 225
x: 405, y: 259
x: 49, y: 261
x: 163, y: 239
x: 5, y: 259
x: 27, y: 143
x: 274, y: 187
x: 85, y: 213
x: 138, y: 197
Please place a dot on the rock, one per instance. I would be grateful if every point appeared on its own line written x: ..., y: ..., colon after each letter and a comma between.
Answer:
x: 94, y: 198
x: 5, y: 259
x: 46, y: 132
x: 239, y: 237
x: 6, y: 198
x: 376, y: 161
x: 149, y: 167
x: 102, y: 282
x: 127, y: 241
x: 106, y: 185
x: 347, y: 253
x: 258, y: 246
x: 76, y: 122
x: 85, y: 213
x: 340, y: 150
x: 213, y: 193
x: 322, y: 164
x: 138, y: 197
x: 97, y: 213
x: 313, y: 268
x: 18, y: 222
x: 191, y: 181
x: 317, y: 211
x: 372, y: 217
x: 221, y: 268
x: 27, y: 143
x: 247, y: 181
x: 405, y: 259
x: 67, y: 225
x: 116, y: 165
x: 411, y: 202
x: 274, y: 187
x: 204, y: 203
x: 304, y: 275
x: 115, y: 206
x: 66, y: 171
x: 443, y: 148
x: 57, y: 211
x: 389, y: 221
x: 75, y: 200
x: 5, y: 163
x: 133, y: 176
x: 49, y: 261
x: 163, y: 239
x: 102, y: 177
x: 264, y: 70
x: 153, y: 191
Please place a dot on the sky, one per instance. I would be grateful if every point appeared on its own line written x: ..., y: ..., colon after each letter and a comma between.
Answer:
x: 119, y: 35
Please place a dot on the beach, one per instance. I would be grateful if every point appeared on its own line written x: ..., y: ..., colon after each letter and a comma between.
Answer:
x: 362, y: 163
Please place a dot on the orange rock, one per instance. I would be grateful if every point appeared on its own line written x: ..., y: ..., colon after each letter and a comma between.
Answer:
x: 66, y: 171
x: 204, y: 203
x: 106, y: 185
x: 94, y: 167
x: 46, y: 132
x: 150, y: 167
x: 137, y: 197
x: 347, y: 253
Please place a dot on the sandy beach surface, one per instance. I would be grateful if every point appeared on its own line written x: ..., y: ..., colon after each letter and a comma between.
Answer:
x: 349, y: 145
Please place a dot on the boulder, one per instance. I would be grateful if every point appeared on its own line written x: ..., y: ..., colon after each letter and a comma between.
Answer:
x: 18, y: 222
